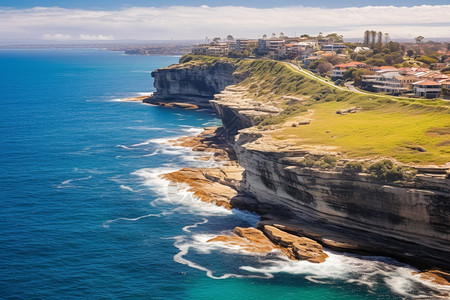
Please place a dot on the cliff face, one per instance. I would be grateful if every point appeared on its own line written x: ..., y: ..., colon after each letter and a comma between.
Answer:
x: 354, y: 212
x: 410, y: 221
x: 192, y: 83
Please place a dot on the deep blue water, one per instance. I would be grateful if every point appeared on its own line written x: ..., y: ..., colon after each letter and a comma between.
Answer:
x: 83, y: 213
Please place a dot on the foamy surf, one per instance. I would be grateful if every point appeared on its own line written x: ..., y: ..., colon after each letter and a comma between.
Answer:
x: 67, y: 183
x: 176, y: 193
x: 199, y: 242
x: 164, y: 213
x: 360, y: 270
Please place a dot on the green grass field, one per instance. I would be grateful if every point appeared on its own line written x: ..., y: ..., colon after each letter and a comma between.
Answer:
x: 387, y: 126
x: 390, y: 131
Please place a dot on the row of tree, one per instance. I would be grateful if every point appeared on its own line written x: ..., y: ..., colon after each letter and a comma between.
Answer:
x: 373, y: 38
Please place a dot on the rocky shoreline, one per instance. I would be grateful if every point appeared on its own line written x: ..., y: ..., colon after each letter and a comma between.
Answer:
x: 294, y: 188
x: 221, y: 186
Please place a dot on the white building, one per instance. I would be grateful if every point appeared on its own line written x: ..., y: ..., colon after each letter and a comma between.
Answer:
x: 427, y: 89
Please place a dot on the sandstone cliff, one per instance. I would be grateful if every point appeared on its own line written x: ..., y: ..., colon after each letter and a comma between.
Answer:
x: 407, y: 220
x: 192, y: 83
x: 355, y: 212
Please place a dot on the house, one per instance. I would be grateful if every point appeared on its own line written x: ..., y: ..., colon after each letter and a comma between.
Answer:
x: 268, y: 45
x: 388, y: 81
x: 445, y: 88
x: 427, y: 89
x: 212, y: 49
x: 339, y: 70
x: 241, y: 44
x: 333, y: 47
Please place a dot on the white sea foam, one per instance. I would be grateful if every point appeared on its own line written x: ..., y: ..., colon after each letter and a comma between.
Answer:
x: 176, y: 193
x: 188, y: 227
x: 164, y: 213
x: 199, y: 242
x: 67, y: 183
x: 355, y: 269
x: 193, y: 130
x: 145, y: 128
x: 126, y: 187
x: 124, y: 147
x: 145, y: 93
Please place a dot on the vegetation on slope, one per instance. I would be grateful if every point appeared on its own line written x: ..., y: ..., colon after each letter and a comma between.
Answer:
x: 409, y: 130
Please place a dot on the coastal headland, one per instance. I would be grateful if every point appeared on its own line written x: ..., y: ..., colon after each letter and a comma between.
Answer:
x: 350, y: 171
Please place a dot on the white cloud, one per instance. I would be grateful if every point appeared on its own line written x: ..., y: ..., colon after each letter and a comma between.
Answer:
x: 56, y: 37
x: 87, y: 37
x: 178, y: 22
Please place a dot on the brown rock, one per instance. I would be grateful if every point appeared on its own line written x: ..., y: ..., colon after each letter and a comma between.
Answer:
x: 249, y: 239
x: 436, y: 276
x: 301, y: 248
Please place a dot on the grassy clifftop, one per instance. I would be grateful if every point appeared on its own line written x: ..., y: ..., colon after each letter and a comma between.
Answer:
x: 408, y: 130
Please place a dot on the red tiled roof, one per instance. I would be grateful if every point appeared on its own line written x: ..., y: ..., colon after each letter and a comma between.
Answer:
x: 387, y: 67
x: 427, y: 82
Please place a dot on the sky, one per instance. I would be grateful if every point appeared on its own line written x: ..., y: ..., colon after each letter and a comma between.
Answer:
x: 109, y: 20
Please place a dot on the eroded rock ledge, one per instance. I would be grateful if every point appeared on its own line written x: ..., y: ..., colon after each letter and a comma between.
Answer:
x: 347, y: 211
x: 269, y: 239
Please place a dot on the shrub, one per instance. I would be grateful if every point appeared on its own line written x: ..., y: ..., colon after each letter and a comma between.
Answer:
x: 354, y: 167
x: 330, y: 160
x: 306, y: 162
x: 426, y: 59
x: 386, y: 170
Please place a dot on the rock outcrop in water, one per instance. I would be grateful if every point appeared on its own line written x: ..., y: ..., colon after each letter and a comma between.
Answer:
x: 355, y: 212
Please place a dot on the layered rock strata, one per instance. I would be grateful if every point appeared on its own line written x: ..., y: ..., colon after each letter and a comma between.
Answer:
x: 269, y: 239
x: 191, y: 83
x: 409, y: 220
x: 406, y: 220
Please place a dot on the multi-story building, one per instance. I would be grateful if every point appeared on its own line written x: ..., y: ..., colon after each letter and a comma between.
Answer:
x: 427, y: 89
x: 241, y: 44
x: 333, y: 47
x: 269, y: 45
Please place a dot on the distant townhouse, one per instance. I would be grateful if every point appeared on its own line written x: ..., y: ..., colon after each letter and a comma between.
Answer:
x: 241, y: 44
x: 269, y: 45
x: 445, y: 84
x: 388, y: 80
x: 427, y: 89
x: 338, y: 70
x: 333, y: 47
x: 213, y: 49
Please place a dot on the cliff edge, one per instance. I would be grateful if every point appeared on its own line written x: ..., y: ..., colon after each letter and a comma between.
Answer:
x: 291, y: 136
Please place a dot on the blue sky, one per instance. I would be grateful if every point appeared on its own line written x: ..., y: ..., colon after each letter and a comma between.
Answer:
x: 89, y: 20
x: 115, y: 4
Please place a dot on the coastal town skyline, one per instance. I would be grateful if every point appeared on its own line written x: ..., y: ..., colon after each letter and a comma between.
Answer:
x: 195, y: 20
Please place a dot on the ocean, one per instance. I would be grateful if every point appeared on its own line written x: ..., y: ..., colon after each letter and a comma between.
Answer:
x: 84, y: 214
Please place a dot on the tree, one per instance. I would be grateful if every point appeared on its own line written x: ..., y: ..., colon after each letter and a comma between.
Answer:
x: 373, y: 35
x: 410, y: 53
x: 216, y: 40
x: 324, y: 67
x: 355, y: 75
x: 264, y: 36
x: 427, y: 60
x: 386, y: 38
x: 230, y: 38
x: 366, y: 38
x: 419, y: 39
x: 380, y: 39
x: 274, y: 34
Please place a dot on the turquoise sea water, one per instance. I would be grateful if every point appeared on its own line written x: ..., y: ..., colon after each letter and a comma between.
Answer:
x: 83, y: 213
